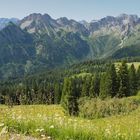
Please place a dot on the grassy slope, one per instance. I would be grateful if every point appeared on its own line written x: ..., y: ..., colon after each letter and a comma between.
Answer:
x: 104, y: 45
x: 131, y: 45
x: 50, y: 121
x: 136, y: 64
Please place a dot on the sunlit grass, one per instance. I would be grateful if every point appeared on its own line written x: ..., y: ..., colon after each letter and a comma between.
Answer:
x: 48, y: 122
x: 136, y: 64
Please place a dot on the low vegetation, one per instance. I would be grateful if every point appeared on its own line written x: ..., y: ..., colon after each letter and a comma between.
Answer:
x: 97, y: 108
x: 50, y: 122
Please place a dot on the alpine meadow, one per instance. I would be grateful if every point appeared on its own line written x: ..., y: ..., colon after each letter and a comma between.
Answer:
x: 70, y: 70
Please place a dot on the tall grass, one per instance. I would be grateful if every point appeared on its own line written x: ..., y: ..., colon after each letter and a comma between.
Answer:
x: 50, y: 122
x: 97, y: 108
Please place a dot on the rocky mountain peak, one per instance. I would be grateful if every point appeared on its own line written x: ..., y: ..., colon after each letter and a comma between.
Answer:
x: 36, y: 23
x: 63, y: 21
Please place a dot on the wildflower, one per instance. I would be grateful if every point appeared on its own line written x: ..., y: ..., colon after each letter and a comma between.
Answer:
x: 1, y: 124
x: 42, y: 135
x: 49, y: 137
x: 3, y: 131
x: 41, y: 130
x: 37, y: 130
x: 52, y: 126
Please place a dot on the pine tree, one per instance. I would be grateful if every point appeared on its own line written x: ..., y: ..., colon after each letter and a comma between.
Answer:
x: 138, y: 78
x: 104, y: 91
x: 112, y: 81
x: 123, y: 81
x: 132, y: 80
x: 69, y: 99
x: 97, y: 84
x: 109, y: 83
x: 84, y: 89
x: 65, y: 91
x: 57, y: 93
x: 92, y: 88
x: 86, y: 86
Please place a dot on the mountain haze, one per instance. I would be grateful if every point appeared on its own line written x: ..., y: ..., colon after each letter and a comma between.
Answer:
x: 4, y: 22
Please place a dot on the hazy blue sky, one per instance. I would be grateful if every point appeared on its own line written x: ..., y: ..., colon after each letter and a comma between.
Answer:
x: 75, y: 9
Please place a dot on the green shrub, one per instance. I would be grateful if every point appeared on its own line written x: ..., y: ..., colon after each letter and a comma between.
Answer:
x: 138, y: 94
x: 97, y: 108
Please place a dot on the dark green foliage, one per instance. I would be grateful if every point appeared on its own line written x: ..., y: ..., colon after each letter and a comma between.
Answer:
x: 130, y: 51
x: 69, y: 99
x: 89, y: 79
x: 112, y: 81
x: 23, y: 53
x: 104, y: 87
x: 92, y: 88
x: 132, y: 80
x: 138, y: 78
x: 86, y: 86
x: 124, y: 86
x: 109, y: 83
x: 97, y: 84
x: 57, y: 91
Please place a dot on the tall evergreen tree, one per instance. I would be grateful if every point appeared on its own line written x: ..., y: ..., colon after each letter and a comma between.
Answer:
x: 97, y: 84
x: 132, y: 80
x: 57, y: 93
x: 104, y: 89
x: 92, y: 88
x: 112, y: 81
x: 109, y: 83
x: 86, y: 86
x: 138, y: 78
x: 69, y: 99
x: 123, y: 80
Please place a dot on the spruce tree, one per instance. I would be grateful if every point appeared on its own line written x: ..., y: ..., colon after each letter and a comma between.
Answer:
x: 104, y: 90
x: 69, y: 99
x: 132, y: 80
x: 65, y: 91
x: 97, y: 84
x: 123, y: 81
x: 92, y: 88
x: 57, y: 93
x: 86, y: 86
x: 112, y: 81
x: 109, y: 83
x: 138, y: 78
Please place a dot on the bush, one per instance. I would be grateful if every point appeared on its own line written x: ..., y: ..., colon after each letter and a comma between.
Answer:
x: 138, y: 94
x: 97, y: 108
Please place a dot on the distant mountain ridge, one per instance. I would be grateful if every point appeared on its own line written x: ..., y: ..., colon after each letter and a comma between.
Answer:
x: 40, y: 42
x: 4, y: 22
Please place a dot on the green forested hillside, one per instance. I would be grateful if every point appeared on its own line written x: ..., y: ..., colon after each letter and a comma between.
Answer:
x: 39, y: 42
x: 21, y: 52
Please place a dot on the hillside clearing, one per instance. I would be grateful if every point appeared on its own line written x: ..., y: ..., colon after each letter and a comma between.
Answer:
x: 136, y: 64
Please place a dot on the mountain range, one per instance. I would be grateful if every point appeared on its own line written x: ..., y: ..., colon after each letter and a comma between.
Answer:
x: 40, y: 42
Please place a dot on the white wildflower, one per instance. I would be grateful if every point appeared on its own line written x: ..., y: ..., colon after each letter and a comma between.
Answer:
x: 37, y: 130
x: 49, y: 137
x: 1, y: 124
x: 4, y: 130
x: 41, y: 130
x: 52, y: 126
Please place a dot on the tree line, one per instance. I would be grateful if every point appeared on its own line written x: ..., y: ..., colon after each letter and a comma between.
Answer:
x: 115, y: 82
x: 66, y: 86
